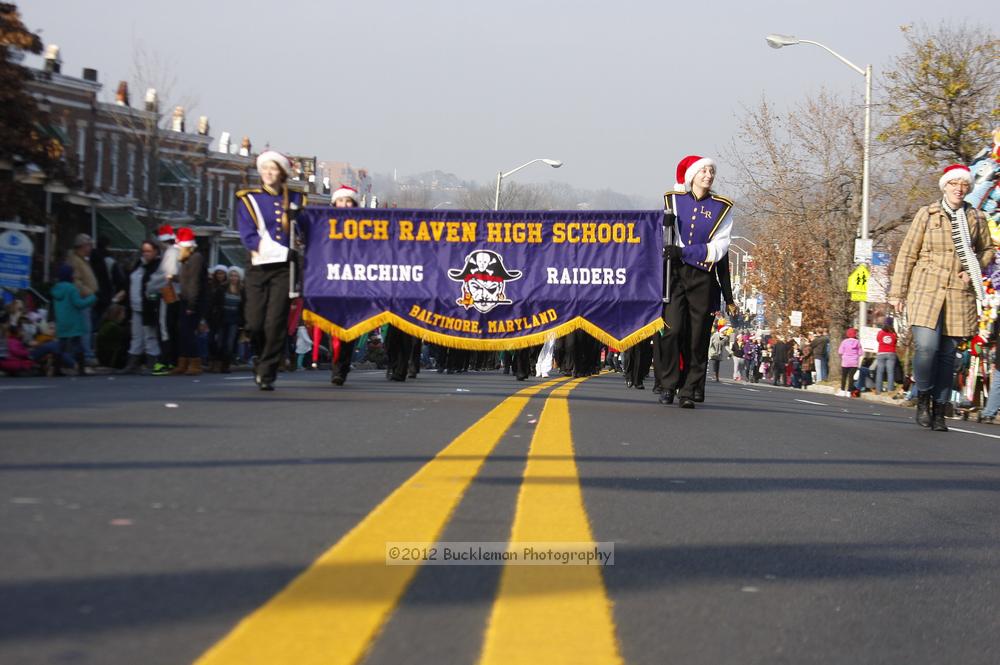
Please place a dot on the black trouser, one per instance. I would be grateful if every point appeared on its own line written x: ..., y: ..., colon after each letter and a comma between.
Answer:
x: 398, y: 348
x: 637, y: 361
x: 688, y: 319
x: 266, y: 314
x: 187, y: 330
x: 170, y: 346
x: 522, y: 361
x: 418, y: 347
x: 342, y: 365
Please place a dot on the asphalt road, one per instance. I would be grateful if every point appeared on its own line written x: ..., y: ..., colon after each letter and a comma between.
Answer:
x: 171, y: 520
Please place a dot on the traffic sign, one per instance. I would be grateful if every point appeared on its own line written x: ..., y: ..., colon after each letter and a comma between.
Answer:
x: 858, y: 281
x: 15, y: 260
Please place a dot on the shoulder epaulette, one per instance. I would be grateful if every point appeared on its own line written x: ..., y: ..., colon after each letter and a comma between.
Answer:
x: 723, y: 199
x: 243, y: 192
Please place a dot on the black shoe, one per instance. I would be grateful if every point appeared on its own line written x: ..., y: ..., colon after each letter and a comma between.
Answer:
x: 337, y: 380
x: 411, y: 375
x: 686, y: 403
x: 397, y: 378
x: 924, y: 409
x: 628, y: 383
x: 937, y: 417
x: 266, y: 386
x: 699, y: 396
x: 666, y: 397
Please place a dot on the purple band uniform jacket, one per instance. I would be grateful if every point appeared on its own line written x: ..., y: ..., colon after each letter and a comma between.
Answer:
x: 263, y: 213
x: 702, y: 228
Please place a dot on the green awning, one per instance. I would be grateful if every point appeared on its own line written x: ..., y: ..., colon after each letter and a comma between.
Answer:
x: 233, y: 253
x: 122, y: 228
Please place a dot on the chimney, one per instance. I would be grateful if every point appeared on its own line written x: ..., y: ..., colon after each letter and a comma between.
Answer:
x: 90, y: 74
x: 245, y: 146
x: 203, y: 125
x: 53, y: 63
x: 121, y: 97
x: 152, y: 102
x: 177, y: 124
x: 224, y: 143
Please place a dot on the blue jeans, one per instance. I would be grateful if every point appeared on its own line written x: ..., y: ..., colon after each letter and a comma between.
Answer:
x: 87, y: 339
x: 934, y: 361
x: 885, y: 363
x: 993, y: 402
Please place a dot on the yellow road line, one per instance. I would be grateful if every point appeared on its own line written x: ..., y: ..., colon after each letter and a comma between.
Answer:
x: 551, y: 614
x: 333, y: 610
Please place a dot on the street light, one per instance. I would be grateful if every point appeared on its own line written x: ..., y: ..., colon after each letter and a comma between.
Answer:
x: 777, y: 41
x: 554, y: 163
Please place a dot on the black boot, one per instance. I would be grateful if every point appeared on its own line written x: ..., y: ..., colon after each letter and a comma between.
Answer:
x: 924, y: 409
x: 937, y: 417
x: 666, y: 397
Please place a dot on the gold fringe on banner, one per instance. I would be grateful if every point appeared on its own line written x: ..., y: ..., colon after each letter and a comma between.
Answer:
x: 451, y: 341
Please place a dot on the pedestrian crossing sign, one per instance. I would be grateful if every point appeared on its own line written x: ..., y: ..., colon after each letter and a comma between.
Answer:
x: 857, y: 283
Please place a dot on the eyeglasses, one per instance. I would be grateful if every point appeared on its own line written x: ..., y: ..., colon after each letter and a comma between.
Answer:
x: 958, y: 184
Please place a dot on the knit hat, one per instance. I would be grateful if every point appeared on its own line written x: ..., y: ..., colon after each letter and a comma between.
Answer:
x: 185, y: 237
x: 955, y: 172
x: 687, y: 168
x: 82, y: 239
x: 345, y: 191
x: 165, y: 233
x: 277, y: 158
x: 65, y: 273
x: 851, y: 332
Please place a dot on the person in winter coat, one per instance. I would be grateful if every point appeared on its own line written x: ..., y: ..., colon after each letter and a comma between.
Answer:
x: 937, y: 289
x: 194, y: 287
x: 71, y: 309
x: 144, y: 305
x: 716, y: 349
x: 850, y: 353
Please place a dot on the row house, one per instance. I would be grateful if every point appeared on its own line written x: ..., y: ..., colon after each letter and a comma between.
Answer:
x: 135, y: 169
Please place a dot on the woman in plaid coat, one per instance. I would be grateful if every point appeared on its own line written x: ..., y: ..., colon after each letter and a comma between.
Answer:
x: 930, y: 281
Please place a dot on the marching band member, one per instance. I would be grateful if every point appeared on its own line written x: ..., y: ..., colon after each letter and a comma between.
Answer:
x: 343, y: 197
x: 263, y: 219
x: 702, y: 227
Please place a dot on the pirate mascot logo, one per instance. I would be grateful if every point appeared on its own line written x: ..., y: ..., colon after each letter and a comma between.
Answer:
x: 483, y: 280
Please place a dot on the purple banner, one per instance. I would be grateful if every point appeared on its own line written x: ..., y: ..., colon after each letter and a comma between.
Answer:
x: 484, y: 280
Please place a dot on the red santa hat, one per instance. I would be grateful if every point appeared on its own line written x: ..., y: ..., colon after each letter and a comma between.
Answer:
x: 955, y: 172
x: 165, y: 233
x: 185, y: 237
x: 345, y: 191
x: 687, y: 168
x: 274, y: 156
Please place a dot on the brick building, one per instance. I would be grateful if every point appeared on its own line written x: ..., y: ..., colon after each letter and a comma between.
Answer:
x: 136, y: 166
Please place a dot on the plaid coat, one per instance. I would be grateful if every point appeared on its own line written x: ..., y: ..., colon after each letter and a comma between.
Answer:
x: 927, y: 267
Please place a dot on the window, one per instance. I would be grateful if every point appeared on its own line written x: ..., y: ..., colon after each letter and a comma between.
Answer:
x: 130, y: 172
x: 115, y: 141
x: 81, y: 146
x: 99, y: 160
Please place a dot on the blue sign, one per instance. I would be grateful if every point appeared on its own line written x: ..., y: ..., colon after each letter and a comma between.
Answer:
x: 15, y: 260
x: 881, y: 258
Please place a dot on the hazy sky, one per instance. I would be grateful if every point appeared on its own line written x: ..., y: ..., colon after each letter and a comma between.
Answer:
x: 619, y: 91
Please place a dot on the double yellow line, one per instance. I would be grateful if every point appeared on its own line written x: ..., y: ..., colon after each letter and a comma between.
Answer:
x: 332, y: 612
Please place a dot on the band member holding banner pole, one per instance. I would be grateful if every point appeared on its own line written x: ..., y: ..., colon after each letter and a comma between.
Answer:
x: 702, y: 228
x: 340, y: 367
x: 264, y: 222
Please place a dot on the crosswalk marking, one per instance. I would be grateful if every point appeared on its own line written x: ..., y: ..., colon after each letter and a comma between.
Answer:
x: 332, y: 611
x: 551, y: 614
